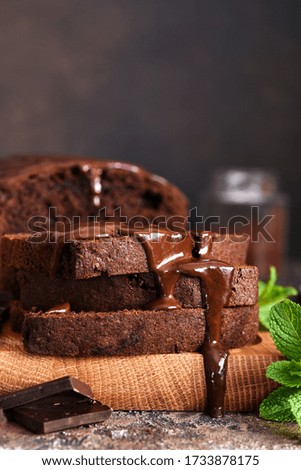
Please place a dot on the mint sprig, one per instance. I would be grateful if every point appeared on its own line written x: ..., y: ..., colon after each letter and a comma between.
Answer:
x: 285, y: 372
x: 269, y: 294
x: 276, y: 407
x: 284, y: 403
x: 295, y: 403
x: 285, y: 328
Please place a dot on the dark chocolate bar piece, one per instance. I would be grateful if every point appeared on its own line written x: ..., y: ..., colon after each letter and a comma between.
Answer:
x: 61, y: 411
x: 43, y: 390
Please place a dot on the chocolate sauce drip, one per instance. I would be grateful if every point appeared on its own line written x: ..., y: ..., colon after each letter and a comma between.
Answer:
x: 96, y: 187
x: 96, y: 173
x: 60, y: 308
x: 164, y: 251
x: 203, y: 244
x: 216, y: 277
x: 170, y: 254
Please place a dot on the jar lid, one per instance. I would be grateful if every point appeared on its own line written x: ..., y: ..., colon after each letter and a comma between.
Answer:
x: 245, y: 185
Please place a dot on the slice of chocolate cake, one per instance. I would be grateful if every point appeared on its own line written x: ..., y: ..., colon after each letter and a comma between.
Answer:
x: 133, y: 332
x: 114, y: 293
x: 108, y: 293
x: 82, y: 254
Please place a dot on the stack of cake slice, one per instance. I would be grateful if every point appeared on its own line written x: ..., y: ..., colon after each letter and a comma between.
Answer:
x: 91, y: 296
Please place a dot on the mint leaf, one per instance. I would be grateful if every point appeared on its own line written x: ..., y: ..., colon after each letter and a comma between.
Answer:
x: 284, y: 404
x: 278, y: 294
x: 264, y: 316
x: 270, y: 294
x: 285, y: 328
x: 266, y: 288
x: 296, y: 368
x: 277, y: 407
x: 295, y: 404
x: 261, y: 288
x: 285, y: 372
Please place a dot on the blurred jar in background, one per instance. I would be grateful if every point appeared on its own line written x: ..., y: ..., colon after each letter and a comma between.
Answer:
x: 248, y: 201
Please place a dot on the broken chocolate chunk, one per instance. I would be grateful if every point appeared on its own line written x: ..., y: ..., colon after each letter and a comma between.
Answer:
x: 60, y: 411
x: 46, y: 389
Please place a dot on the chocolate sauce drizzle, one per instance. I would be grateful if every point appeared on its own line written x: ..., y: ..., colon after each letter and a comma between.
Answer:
x: 170, y: 254
x: 60, y: 308
x: 96, y: 186
x: 96, y: 172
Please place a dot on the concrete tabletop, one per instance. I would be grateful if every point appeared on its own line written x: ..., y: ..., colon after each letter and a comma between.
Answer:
x: 161, y: 430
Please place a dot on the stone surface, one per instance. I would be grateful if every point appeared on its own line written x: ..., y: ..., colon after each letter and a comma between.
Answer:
x: 161, y: 430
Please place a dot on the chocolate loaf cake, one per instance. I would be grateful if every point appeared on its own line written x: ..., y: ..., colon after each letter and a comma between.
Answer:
x: 133, y: 332
x: 109, y: 293
x: 86, y: 255
x: 104, y: 269
x: 74, y: 186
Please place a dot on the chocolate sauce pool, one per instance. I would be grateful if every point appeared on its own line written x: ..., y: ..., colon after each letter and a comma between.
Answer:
x: 170, y: 254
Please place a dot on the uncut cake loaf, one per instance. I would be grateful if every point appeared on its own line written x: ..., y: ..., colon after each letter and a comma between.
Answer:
x: 75, y: 186
x: 90, y: 295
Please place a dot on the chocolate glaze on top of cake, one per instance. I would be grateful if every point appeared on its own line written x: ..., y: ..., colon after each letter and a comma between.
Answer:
x: 169, y: 254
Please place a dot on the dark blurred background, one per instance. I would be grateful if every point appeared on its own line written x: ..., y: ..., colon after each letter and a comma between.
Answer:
x: 179, y: 86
